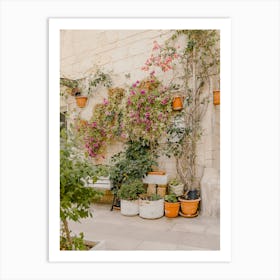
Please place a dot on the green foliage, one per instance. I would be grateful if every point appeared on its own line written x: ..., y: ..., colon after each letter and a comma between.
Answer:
x: 148, y: 110
x: 75, y: 197
x: 133, y: 163
x: 131, y: 190
x: 68, y: 83
x: 104, y: 126
x: 154, y: 197
x: 171, y: 198
x: 101, y: 78
x: 102, y: 170
x: 77, y: 242
x: 175, y: 182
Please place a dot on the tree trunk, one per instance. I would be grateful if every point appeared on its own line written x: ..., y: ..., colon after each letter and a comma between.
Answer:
x: 67, y: 231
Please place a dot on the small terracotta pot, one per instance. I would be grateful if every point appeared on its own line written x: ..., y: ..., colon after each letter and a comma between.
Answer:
x: 177, y: 103
x: 171, y: 209
x: 189, y: 207
x: 81, y: 101
x: 216, y: 97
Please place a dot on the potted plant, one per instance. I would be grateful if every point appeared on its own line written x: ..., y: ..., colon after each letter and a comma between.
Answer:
x: 131, y: 164
x: 71, y: 85
x: 176, y: 187
x: 128, y: 194
x: 86, y: 85
x: 171, y: 206
x: 190, y: 201
x: 151, y: 207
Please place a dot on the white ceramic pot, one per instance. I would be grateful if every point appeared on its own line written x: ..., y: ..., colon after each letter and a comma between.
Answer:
x: 178, y: 190
x: 129, y: 207
x: 151, y: 209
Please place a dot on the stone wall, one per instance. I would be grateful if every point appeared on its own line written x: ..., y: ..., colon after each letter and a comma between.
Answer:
x: 123, y: 52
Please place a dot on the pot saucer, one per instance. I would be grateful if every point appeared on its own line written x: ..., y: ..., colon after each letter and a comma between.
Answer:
x: 188, y: 216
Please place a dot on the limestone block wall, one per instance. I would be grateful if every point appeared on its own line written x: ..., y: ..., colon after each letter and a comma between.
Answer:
x: 121, y: 52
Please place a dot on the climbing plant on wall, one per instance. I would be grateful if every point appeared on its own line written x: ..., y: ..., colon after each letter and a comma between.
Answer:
x: 192, y: 57
x: 148, y: 110
x: 200, y: 61
x: 104, y: 126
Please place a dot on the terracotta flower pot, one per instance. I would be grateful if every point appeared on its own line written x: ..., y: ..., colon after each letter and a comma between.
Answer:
x: 189, y: 207
x: 171, y: 209
x: 177, y: 103
x: 216, y: 97
x: 81, y: 101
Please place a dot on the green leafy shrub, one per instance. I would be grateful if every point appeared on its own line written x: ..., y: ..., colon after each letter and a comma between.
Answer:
x: 171, y: 198
x: 175, y: 182
x: 132, y: 164
x: 75, y: 197
x: 131, y: 190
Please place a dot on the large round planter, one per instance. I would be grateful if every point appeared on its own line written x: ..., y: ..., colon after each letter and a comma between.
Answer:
x: 81, y: 101
x: 178, y: 190
x: 129, y: 207
x: 189, y: 207
x: 151, y: 209
x: 171, y: 209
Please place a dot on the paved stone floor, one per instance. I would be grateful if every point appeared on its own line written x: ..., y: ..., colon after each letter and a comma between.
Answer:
x: 134, y: 233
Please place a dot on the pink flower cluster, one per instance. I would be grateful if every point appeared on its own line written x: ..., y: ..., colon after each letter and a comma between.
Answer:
x: 162, y: 57
x: 94, y: 138
x: 148, y: 109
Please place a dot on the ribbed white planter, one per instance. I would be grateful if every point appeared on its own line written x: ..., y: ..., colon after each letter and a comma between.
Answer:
x: 151, y: 209
x: 178, y: 190
x: 129, y: 207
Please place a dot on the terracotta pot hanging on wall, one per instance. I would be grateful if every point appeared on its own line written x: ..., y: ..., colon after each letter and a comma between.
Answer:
x: 177, y: 103
x: 216, y: 97
x: 81, y: 101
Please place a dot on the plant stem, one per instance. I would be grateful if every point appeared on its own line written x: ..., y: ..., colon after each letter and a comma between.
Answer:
x: 66, y: 228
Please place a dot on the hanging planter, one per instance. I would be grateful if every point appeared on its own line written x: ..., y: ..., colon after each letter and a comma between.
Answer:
x: 75, y: 91
x: 177, y: 103
x: 216, y: 97
x: 81, y: 101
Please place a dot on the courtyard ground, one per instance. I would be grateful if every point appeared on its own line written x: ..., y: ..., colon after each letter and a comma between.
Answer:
x: 134, y: 233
